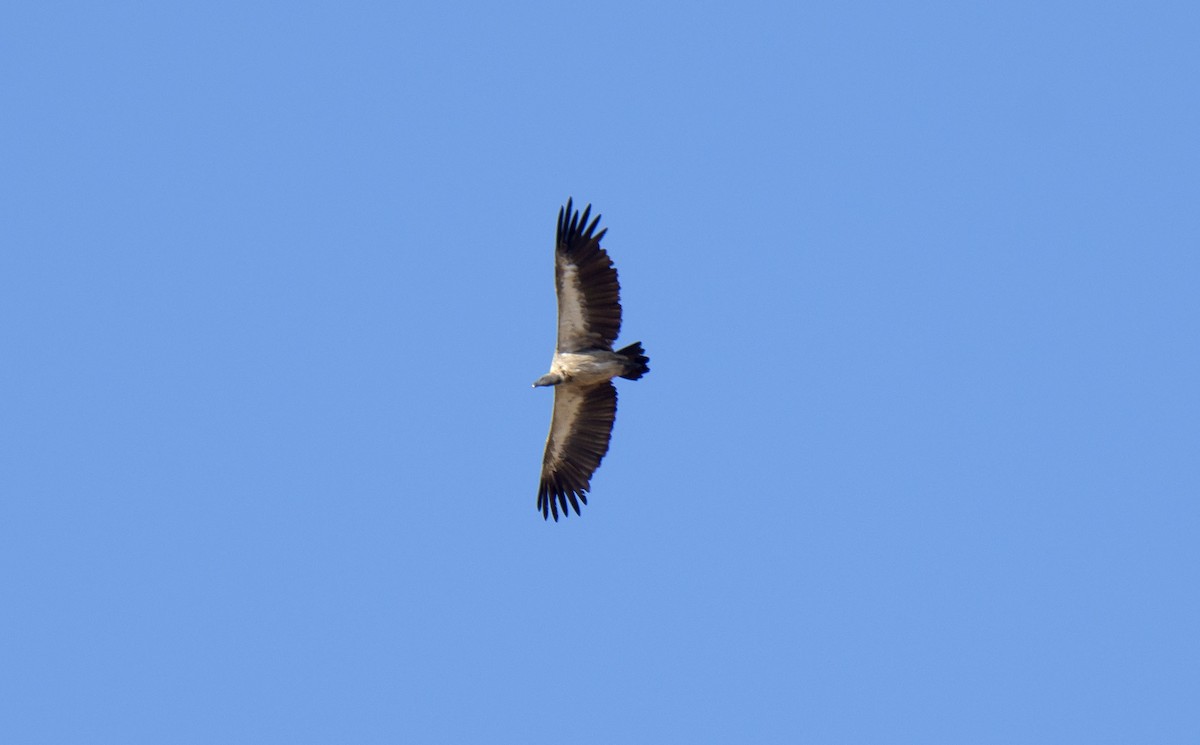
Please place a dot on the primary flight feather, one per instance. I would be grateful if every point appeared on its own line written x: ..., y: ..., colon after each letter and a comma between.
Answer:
x: 584, y: 364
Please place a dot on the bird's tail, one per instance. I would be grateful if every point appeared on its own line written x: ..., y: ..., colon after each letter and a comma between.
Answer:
x: 636, y: 361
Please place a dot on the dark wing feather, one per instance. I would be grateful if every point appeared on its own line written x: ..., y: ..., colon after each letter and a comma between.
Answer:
x: 589, y: 297
x: 579, y: 432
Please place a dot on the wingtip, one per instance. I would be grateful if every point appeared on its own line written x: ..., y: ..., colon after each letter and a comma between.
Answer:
x: 578, y: 228
x: 552, y: 501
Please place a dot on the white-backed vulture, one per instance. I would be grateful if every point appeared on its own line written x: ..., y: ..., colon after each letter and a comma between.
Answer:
x: 584, y: 364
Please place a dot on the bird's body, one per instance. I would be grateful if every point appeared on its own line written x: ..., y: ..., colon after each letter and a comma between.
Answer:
x: 584, y: 364
x: 591, y: 366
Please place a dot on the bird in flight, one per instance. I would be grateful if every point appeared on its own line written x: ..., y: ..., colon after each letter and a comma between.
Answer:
x: 584, y: 364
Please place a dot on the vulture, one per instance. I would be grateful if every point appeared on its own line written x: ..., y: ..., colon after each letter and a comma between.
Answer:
x: 584, y: 364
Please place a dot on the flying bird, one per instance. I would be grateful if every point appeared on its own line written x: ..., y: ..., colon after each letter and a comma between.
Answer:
x: 584, y: 364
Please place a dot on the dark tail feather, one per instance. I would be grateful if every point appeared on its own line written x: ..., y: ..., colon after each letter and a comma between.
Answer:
x: 637, y: 365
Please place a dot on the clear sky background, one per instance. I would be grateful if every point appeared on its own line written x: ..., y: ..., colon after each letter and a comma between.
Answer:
x: 918, y: 459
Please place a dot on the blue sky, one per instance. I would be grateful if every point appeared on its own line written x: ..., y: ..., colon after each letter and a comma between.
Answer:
x: 916, y: 460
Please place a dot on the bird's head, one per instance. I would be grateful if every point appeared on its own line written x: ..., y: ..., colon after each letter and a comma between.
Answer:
x: 548, y: 379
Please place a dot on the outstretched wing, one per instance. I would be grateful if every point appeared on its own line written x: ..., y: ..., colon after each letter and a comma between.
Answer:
x: 579, y: 432
x: 589, y: 298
